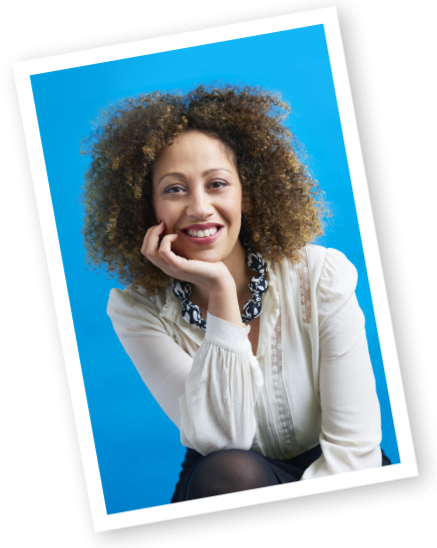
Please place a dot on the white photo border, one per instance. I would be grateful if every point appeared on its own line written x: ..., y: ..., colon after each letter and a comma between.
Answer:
x: 407, y: 467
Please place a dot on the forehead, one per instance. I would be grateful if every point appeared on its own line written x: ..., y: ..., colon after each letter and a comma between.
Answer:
x: 192, y: 149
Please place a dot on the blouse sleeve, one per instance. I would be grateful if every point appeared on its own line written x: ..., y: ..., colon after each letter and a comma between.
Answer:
x: 211, y: 399
x: 351, y: 421
x: 217, y: 409
x: 161, y: 363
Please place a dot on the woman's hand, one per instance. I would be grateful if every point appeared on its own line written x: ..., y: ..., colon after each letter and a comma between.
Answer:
x: 208, y: 276
x: 214, y: 278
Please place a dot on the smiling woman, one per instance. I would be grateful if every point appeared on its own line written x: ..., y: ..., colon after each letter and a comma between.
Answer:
x: 189, y: 198
x: 184, y: 191
x: 249, y: 337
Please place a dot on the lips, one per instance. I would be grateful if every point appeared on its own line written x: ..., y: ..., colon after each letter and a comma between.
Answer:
x: 203, y: 240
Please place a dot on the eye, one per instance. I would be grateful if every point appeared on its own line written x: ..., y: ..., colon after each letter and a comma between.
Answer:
x: 218, y: 184
x: 173, y: 190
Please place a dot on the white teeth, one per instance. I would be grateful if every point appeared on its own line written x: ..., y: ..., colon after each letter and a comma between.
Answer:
x: 202, y: 233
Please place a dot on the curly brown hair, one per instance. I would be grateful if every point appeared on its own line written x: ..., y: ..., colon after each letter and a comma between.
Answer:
x: 285, y: 202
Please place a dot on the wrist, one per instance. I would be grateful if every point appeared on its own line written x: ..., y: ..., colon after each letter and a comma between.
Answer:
x: 224, y: 282
x: 223, y: 301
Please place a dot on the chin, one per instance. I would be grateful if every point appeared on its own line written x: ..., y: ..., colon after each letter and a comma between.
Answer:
x: 206, y: 255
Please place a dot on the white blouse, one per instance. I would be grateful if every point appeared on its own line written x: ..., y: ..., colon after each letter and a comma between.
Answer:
x: 310, y: 382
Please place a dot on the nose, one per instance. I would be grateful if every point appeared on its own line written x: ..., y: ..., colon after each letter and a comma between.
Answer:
x: 199, y: 205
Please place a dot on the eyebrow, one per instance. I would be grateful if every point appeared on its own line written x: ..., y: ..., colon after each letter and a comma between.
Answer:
x: 182, y: 176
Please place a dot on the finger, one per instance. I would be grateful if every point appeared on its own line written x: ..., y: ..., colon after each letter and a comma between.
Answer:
x: 151, y: 252
x: 160, y: 259
x: 174, y: 261
x: 151, y: 248
x: 165, y: 245
x: 146, y: 239
x: 151, y: 239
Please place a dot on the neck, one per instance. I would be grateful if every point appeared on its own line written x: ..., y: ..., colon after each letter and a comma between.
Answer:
x: 236, y: 264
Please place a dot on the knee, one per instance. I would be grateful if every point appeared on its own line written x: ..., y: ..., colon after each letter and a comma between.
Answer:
x: 229, y: 471
x: 233, y: 467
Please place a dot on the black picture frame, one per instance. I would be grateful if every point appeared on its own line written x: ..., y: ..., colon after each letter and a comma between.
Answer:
x: 395, y: 271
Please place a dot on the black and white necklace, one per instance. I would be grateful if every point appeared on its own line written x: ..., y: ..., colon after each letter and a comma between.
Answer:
x: 252, y: 309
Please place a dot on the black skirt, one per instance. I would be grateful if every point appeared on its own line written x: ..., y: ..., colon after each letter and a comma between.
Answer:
x: 286, y: 471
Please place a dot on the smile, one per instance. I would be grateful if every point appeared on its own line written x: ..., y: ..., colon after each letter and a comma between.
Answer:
x: 202, y: 233
x: 203, y: 237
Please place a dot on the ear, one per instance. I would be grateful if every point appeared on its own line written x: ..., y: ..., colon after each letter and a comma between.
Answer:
x: 245, y: 205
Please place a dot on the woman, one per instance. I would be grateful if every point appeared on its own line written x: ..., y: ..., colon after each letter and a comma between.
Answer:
x: 250, y: 338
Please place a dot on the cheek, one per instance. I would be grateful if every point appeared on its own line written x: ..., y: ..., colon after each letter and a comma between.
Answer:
x: 161, y: 206
x: 158, y: 211
x: 234, y: 212
x: 164, y: 212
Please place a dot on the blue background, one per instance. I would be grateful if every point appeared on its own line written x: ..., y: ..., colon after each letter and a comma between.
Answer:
x: 138, y: 448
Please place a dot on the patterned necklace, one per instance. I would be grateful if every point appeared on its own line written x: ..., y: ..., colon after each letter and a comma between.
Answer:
x: 252, y: 309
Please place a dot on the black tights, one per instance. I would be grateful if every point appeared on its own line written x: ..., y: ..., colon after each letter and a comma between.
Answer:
x: 229, y: 471
x: 238, y: 470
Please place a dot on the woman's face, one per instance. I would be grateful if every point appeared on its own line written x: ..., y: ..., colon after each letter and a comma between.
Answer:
x: 196, y: 188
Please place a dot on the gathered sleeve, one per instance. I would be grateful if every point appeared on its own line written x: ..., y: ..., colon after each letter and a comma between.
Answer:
x: 217, y: 409
x: 210, y: 398
x: 351, y: 420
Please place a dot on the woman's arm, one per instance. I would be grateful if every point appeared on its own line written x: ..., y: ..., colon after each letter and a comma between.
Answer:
x: 211, y: 398
x: 217, y: 409
x: 351, y: 421
x: 217, y: 390
x: 160, y: 361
